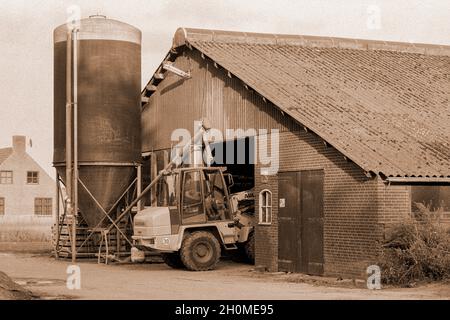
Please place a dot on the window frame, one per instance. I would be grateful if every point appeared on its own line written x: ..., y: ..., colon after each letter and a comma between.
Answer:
x: 266, y: 195
x: 11, y: 177
x: 163, y: 186
x: 211, y: 178
x: 184, y: 217
x: 32, y: 177
x: 40, y: 210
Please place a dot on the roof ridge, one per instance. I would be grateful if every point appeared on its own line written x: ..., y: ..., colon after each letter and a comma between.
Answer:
x: 183, y: 35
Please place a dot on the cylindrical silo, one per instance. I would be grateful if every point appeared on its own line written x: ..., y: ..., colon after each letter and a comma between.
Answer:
x: 109, y: 85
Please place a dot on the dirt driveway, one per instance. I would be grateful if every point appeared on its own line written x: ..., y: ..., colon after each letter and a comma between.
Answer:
x: 46, y: 277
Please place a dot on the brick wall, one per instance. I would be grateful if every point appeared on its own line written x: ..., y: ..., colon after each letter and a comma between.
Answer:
x: 395, y: 202
x: 353, y: 215
x: 266, y: 236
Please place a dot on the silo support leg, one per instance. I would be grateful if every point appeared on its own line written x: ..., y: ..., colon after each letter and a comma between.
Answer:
x: 108, y: 213
x: 104, y: 212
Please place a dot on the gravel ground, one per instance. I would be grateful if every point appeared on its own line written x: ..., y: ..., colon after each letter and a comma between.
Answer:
x: 25, y: 247
x: 46, y: 277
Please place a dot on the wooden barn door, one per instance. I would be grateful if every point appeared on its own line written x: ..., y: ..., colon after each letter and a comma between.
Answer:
x: 312, y: 221
x: 300, y: 222
x: 289, y: 241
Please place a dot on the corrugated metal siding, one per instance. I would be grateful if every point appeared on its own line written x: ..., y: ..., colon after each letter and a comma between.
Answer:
x: 387, y: 111
x: 210, y: 94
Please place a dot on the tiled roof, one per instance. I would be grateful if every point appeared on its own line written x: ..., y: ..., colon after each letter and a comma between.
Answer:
x: 384, y: 105
x: 4, y: 154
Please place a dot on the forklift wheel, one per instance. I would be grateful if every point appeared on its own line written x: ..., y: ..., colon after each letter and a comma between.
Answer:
x: 200, y: 251
x: 249, y: 248
x: 172, y: 260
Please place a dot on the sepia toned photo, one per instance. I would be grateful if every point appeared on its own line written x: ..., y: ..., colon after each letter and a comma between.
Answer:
x: 248, y: 152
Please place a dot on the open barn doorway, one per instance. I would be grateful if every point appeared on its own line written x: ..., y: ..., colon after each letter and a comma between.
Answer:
x: 239, y: 157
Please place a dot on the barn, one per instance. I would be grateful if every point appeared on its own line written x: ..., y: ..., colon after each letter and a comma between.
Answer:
x: 358, y: 132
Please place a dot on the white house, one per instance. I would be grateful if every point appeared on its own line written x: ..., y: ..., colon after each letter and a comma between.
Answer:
x: 26, y: 190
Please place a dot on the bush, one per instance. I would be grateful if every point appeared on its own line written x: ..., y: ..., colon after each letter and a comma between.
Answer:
x: 418, y: 249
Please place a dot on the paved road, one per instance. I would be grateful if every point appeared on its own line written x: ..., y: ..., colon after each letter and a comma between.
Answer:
x: 47, y: 277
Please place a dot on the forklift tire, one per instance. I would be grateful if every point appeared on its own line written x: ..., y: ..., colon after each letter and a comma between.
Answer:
x: 172, y: 260
x: 249, y: 247
x: 200, y: 251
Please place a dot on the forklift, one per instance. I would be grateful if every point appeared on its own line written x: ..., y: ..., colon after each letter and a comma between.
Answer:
x: 195, y: 217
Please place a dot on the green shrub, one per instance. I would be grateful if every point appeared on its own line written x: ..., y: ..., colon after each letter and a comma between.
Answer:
x: 417, y: 249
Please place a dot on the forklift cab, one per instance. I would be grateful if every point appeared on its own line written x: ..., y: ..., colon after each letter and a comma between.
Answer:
x: 195, y: 195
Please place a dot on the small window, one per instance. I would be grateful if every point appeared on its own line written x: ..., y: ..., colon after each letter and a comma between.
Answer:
x: 215, y: 196
x: 43, y: 206
x: 265, y: 207
x: 32, y: 177
x: 432, y: 197
x: 166, y: 196
x: 2, y: 206
x: 6, y: 177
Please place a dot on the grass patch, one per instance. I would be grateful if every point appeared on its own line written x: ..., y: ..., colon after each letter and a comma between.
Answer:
x: 25, y: 229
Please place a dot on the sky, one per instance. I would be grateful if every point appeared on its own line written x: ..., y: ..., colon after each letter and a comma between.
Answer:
x: 26, y: 26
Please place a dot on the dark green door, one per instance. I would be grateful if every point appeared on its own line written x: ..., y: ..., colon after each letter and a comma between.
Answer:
x: 289, y: 240
x: 300, y: 221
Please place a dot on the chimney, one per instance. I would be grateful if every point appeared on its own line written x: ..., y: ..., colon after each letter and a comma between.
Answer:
x: 19, y: 144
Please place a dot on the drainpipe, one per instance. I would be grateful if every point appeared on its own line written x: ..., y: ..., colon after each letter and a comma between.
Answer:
x: 69, y: 135
x: 75, y: 139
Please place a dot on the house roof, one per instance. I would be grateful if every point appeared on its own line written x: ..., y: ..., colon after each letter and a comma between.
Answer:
x: 384, y: 105
x: 5, y: 153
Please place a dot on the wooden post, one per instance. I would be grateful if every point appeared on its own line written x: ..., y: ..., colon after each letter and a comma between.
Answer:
x: 165, y: 158
x: 139, y: 186
x: 153, y: 175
